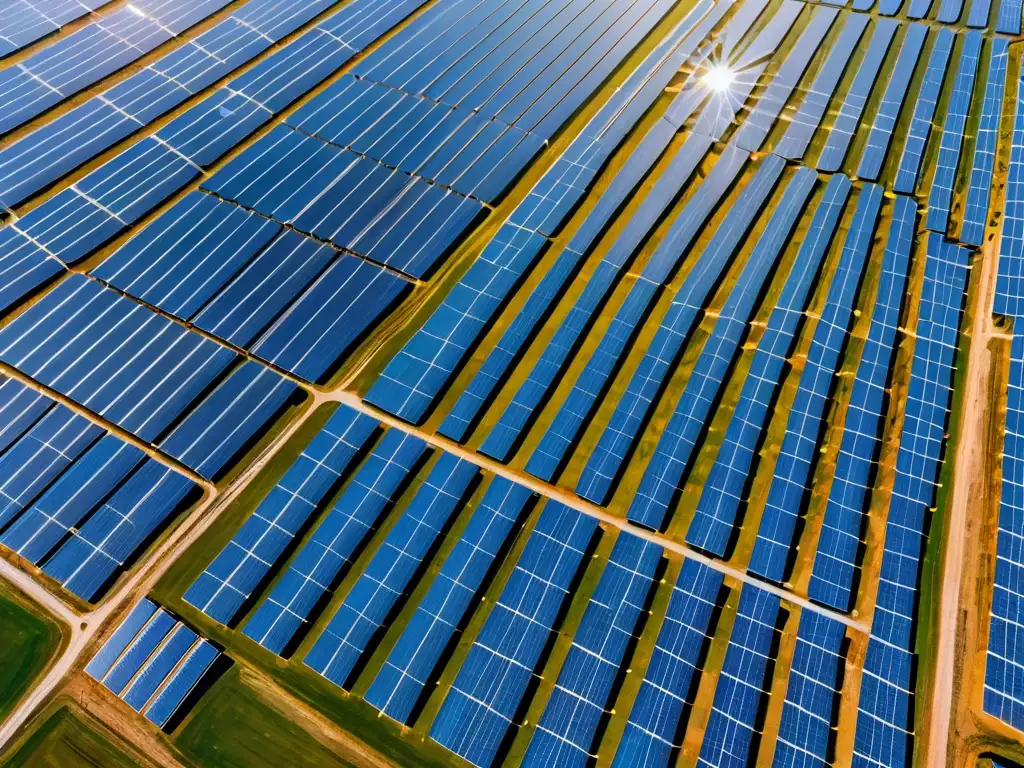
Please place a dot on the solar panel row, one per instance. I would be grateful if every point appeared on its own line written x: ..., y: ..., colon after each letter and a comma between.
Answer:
x: 315, y: 569
x: 85, y: 131
x: 1011, y: 246
x: 576, y: 409
x: 723, y: 490
x: 1009, y: 19
x: 503, y: 437
x: 835, y: 561
x: 481, y: 704
x: 246, y: 561
x: 946, y: 167
x: 152, y: 661
x: 400, y: 684
x: 567, y: 729
x: 388, y: 576
x: 655, y: 725
x: 924, y: 111
x: 416, y: 376
x: 794, y: 467
x: 979, y: 191
x: 884, y: 721
x: 873, y: 155
x: 671, y: 457
x: 73, y: 63
x: 24, y: 22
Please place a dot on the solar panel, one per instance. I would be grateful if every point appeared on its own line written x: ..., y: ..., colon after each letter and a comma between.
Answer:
x: 832, y: 577
x: 238, y: 570
x: 71, y: 498
x: 672, y: 455
x: 758, y: 123
x: 977, y: 17
x: 138, y: 650
x: 812, y: 695
x: 873, y: 155
x: 924, y: 112
x: 1009, y: 18
x: 23, y: 23
x: 315, y: 568
x: 547, y: 457
x: 565, y: 734
x: 743, y: 682
x: 94, y: 554
x: 401, y: 681
x: 979, y: 190
x: 1011, y: 244
x: 953, y: 134
x: 111, y: 650
x: 723, y: 490
x: 653, y: 730
x: 180, y: 683
x: 387, y: 578
x: 805, y: 122
x: 20, y: 408
x: 551, y: 362
x: 486, y: 694
x: 156, y: 669
x: 795, y: 464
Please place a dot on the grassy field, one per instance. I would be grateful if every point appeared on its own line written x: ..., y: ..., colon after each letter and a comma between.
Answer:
x: 29, y: 642
x: 70, y: 738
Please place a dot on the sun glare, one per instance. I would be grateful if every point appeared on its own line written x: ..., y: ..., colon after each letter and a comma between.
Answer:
x: 719, y: 78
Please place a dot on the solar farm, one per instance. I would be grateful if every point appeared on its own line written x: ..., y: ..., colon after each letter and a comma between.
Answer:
x: 598, y: 383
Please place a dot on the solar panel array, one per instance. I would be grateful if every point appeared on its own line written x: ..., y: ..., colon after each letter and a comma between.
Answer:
x: 283, y: 203
x: 153, y: 662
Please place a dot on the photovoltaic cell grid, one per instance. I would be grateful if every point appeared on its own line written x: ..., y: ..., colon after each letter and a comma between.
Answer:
x: 1011, y: 245
x: 316, y: 567
x: 153, y: 662
x: 883, y: 724
x: 794, y: 467
x: 723, y: 490
x: 246, y: 561
x: 835, y: 560
x: 389, y: 574
x: 482, y: 701
x: 567, y: 729
x: 400, y: 684
x: 25, y: 21
x: 652, y: 732
x: 671, y: 458
x: 77, y: 502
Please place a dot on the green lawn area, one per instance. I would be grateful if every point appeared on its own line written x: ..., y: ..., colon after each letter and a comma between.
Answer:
x: 232, y: 727
x: 69, y: 739
x: 29, y: 643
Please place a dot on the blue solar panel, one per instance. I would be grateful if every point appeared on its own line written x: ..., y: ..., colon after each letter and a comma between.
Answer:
x: 180, y: 683
x: 653, y: 729
x: 723, y: 490
x: 20, y: 408
x: 518, y: 415
x: 762, y: 117
x: 24, y: 266
x: 39, y: 456
x: 138, y: 650
x: 312, y: 336
x: 21, y: 24
x: 126, y: 631
x: 949, y: 11
x: 812, y: 695
x: 483, y: 700
x: 884, y: 725
x: 112, y: 355
x: 87, y: 562
x: 235, y: 574
x: 1008, y: 21
x: 159, y: 666
x: 407, y: 671
x: 953, y: 134
x: 1011, y: 246
x: 924, y: 112
x: 977, y: 17
x: 979, y: 190
x: 805, y: 122
x: 848, y: 120
x: 743, y: 682
x: 672, y: 454
x: 70, y: 499
x: 316, y: 567
x: 229, y: 420
x: 873, y: 155
x: 567, y: 729
x: 794, y: 467
x: 547, y: 457
x: 387, y: 578
x: 832, y: 578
